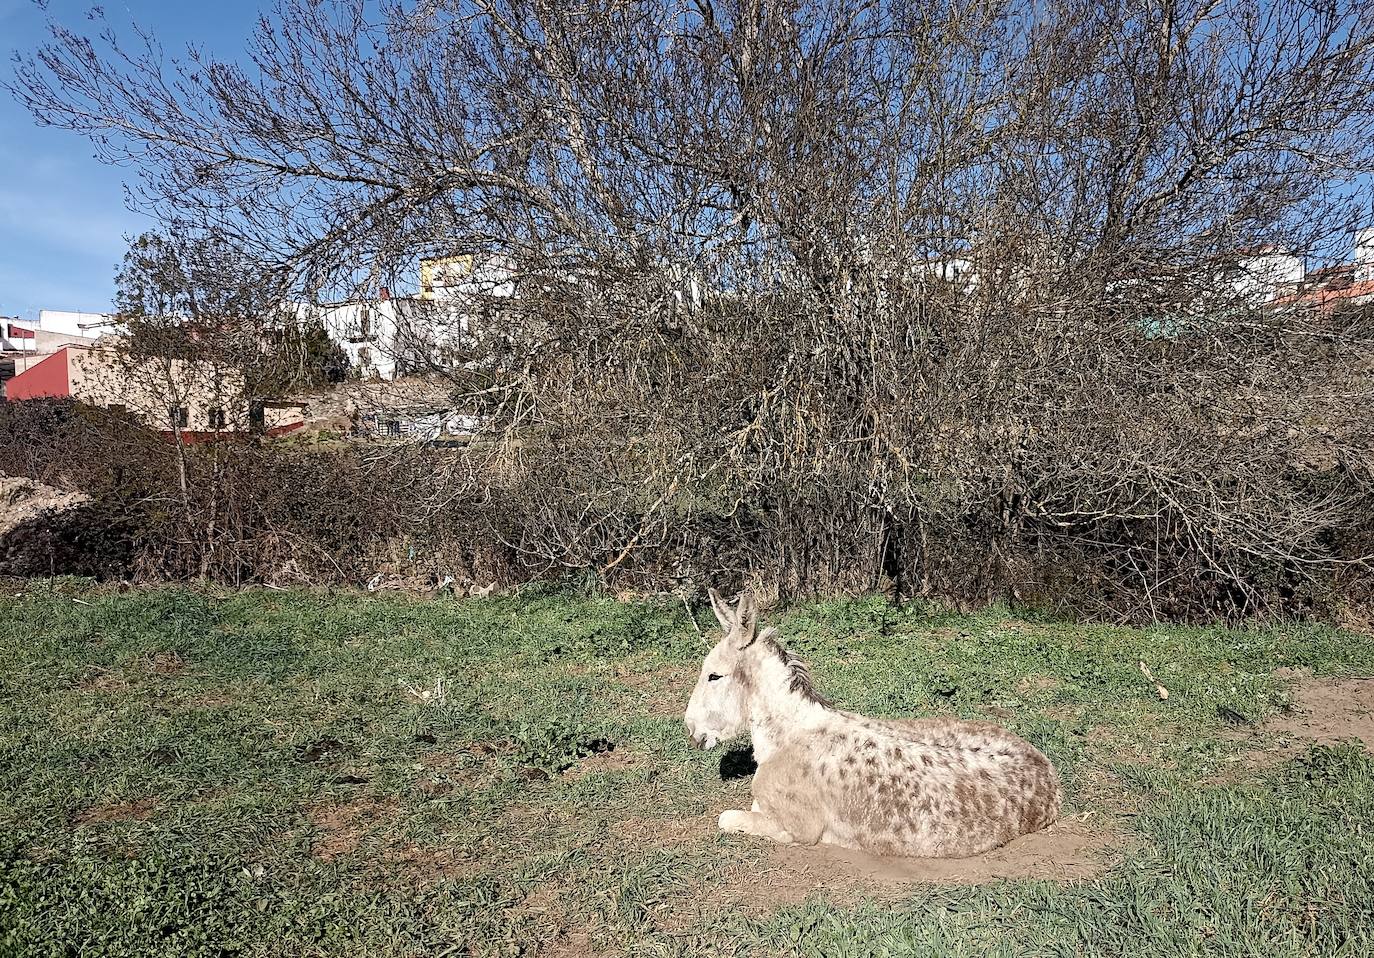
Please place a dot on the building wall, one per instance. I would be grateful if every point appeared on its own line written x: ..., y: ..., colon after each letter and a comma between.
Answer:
x: 48, y: 379
x: 281, y: 419
x: 1267, y: 275
x: 457, y: 277
x: 151, y: 389
x: 27, y: 353
x: 66, y: 322
x: 365, y: 330
x: 384, y: 338
x: 1364, y: 255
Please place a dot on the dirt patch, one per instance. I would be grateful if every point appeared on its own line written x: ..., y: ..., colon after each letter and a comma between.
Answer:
x: 1037, y: 683
x: 23, y: 501
x: 1069, y: 850
x: 342, y: 827
x: 665, y: 832
x: 104, y: 680
x: 133, y: 811
x: 165, y: 663
x: 573, y: 944
x: 663, y: 692
x: 1322, y: 711
x: 474, y: 765
x: 1329, y: 710
x: 614, y: 760
x: 544, y: 914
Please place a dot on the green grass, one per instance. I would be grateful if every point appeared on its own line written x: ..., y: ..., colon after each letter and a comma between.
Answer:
x: 187, y: 772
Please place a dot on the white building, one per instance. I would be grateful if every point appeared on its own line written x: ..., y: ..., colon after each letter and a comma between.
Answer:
x: 24, y: 343
x: 89, y: 325
x: 466, y: 277
x: 365, y: 330
x: 954, y: 270
x: 391, y: 335
x: 1364, y: 255
x: 1267, y: 273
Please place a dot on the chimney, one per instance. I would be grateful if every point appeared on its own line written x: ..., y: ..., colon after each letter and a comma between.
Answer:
x: 385, y: 295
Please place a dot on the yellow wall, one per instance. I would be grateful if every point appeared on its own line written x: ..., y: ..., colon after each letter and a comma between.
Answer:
x: 433, y: 272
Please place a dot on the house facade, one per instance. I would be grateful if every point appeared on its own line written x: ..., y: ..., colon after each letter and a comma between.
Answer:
x: 1336, y: 287
x: 192, y: 400
x: 390, y: 336
x: 25, y: 343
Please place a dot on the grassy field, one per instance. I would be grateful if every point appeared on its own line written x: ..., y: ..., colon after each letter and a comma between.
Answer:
x: 185, y: 772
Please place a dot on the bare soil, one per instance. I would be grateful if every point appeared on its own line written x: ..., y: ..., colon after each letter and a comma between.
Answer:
x: 1328, y: 711
x: 1323, y: 711
x: 616, y: 760
x: 663, y: 832
x: 343, y: 826
x: 662, y: 692
x: 133, y: 811
x: 165, y: 663
x: 1037, y: 683
x: 23, y: 500
x: 571, y: 944
x: 1069, y: 850
x: 104, y: 680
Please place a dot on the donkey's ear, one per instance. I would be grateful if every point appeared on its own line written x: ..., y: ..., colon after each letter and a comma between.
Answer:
x: 748, y: 616
x: 724, y: 614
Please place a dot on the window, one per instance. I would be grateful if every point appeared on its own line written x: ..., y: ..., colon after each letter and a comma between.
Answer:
x: 364, y: 323
x: 393, y: 427
x: 178, y: 416
x: 216, y: 417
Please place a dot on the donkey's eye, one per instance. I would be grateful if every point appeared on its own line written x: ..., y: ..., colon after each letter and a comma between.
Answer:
x: 713, y: 676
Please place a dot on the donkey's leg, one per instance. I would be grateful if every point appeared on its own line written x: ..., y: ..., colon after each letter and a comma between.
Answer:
x: 754, y: 823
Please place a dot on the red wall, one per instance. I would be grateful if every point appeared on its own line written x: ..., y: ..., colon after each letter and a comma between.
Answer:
x: 191, y: 437
x: 48, y: 378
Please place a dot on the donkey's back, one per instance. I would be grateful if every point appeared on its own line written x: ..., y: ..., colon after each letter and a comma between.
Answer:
x: 921, y: 787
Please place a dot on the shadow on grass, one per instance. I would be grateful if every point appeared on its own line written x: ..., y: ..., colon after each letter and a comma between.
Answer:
x: 738, y: 763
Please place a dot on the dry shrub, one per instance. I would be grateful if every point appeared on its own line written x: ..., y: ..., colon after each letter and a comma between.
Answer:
x: 747, y: 346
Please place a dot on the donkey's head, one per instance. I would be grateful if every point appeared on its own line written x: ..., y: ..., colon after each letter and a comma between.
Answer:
x: 720, y: 704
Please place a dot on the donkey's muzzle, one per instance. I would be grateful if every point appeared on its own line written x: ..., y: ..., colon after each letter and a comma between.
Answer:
x: 698, y: 740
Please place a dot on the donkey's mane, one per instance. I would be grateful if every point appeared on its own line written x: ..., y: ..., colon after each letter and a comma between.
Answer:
x: 799, y: 676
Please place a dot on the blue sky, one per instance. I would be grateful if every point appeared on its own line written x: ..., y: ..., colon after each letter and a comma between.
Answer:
x: 63, y: 217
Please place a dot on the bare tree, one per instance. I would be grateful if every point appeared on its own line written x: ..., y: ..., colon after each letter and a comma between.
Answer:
x: 862, y: 287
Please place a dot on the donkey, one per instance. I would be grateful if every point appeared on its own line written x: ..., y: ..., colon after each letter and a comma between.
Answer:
x: 929, y: 788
